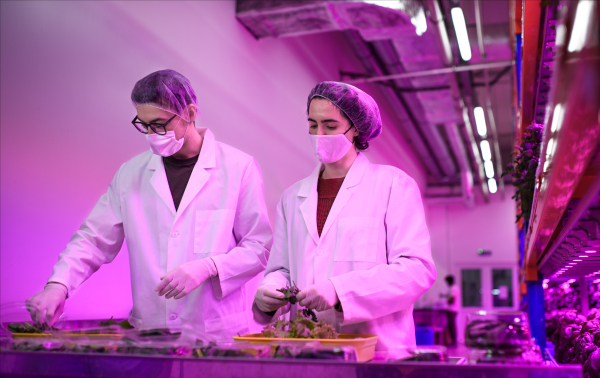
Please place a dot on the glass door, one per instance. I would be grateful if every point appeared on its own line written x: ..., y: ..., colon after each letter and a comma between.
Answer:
x: 502, y: 288
x: 471, y: 287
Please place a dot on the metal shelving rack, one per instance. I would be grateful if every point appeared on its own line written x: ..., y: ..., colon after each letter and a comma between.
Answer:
x: 563, y: 236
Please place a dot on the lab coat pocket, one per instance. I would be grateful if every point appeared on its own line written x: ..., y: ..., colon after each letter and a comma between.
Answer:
x: 227, y: 326
x: 357, y: 239
x: 213, y: 231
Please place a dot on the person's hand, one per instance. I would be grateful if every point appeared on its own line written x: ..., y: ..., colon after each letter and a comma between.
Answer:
x: 320, y: 297
x: 47, y: 306
x: 268, y: 299
x: 180, y: 281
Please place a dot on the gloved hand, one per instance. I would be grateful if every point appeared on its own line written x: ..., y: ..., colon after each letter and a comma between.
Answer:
x: 320, y: 297
x: 48, y: 306
x: 180, y: 281
x: 268, y: 299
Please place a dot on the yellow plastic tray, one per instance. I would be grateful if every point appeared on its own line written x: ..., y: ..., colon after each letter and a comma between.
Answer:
x: 74, y: 335
x: 363, y: 343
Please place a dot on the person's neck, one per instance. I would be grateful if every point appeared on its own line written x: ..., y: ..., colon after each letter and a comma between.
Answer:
x: 191, y: 145
x: 341, y: 167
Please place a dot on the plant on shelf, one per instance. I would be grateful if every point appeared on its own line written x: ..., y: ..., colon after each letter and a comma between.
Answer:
x: 523, y: 168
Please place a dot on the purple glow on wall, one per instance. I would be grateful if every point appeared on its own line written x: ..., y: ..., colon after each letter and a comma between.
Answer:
x: 67, y: 72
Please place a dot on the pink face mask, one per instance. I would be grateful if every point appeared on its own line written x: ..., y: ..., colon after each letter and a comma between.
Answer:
x: 330, y: 148
x: 165, y: 145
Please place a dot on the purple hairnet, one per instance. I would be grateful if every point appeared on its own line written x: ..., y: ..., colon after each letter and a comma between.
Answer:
x: 167, y: 90
x: 358, y: 106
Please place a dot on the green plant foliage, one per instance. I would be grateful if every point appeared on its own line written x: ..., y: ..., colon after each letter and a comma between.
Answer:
x: 301, y: 328
x: 123, y: 324
x: 523, y: 169
x: 290, y: 296
x: 27, y: 327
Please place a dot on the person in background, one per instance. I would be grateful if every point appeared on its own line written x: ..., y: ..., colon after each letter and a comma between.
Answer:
x: 452, y: 299
x: 194, y: 216
x: 352, y: 235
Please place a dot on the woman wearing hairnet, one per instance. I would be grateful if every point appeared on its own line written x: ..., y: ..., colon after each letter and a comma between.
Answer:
x: 352, y: 235
x: 194, y: 216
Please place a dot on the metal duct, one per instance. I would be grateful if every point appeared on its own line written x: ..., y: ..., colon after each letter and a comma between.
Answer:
x: 467, y: 112
x: 422, y: 149
x: 386, y: 52
x: 466, y: 176
x: 386, y: 43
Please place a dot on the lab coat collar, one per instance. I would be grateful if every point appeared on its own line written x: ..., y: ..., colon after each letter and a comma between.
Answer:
x: 198, y: 178
x: 207, y: 153
x: 308, y: 190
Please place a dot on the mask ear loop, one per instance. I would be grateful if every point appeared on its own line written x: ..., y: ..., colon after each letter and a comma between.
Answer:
x: 185, y: 132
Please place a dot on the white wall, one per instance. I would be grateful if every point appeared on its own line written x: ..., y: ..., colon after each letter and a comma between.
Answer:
x: 457, y: 232
x: 67, y: 70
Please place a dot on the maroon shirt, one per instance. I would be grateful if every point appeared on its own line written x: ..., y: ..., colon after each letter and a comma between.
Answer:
x: 327, y: 190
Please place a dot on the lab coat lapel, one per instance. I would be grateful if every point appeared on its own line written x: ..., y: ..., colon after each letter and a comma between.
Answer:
x: 160, y: 183
x: 308, y: 208
x: 353, y: 178
x: 199, y: 175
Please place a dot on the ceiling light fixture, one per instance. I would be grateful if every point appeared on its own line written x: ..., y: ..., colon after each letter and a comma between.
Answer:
x: 585, y: 9
x: 489, y: 169
x: 386, y: 3
x: 550, y: 147
x: 557, y: 118
x: 492, y: 185
x: 460, y: 27
x: 486, y: 152
x: 480, y: 121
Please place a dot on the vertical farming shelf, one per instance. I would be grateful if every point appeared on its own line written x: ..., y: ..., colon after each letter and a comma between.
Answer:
x: 563, y: 236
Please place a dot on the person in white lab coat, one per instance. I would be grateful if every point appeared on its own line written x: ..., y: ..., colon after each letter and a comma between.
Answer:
x: 352, y: 235
x: 194, y: 216
x: 453, y: 305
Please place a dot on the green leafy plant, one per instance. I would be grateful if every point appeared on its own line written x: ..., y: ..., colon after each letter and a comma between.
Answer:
x: 290, y: 296
x: 123, y: 324
x: 301, y: 328
x: 523, y: 169
x: 290, y: 293
x: 27, y: 327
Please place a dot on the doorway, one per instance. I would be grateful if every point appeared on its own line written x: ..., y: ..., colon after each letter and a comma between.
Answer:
x: 485, y: 287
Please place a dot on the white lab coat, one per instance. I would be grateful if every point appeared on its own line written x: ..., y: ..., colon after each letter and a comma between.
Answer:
x: 374, y: 247
x: 222, y: 215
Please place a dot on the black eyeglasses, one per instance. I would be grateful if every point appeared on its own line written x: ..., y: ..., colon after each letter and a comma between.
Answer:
x: 158, y: 128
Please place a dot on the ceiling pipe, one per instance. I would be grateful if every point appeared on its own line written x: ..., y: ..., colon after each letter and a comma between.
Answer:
x: 424, y: 151
x: 466, y: 176
x: 437, y: 71
x: 389, y: 57
x: 488, y: 101
x: 444, y: 41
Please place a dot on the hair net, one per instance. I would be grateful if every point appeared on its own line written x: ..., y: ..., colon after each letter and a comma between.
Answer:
x: 167, y: 90
x: 358, y: 106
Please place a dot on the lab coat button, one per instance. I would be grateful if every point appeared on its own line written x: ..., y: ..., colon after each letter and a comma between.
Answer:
x: 175, y: 234
x: 173, y: 316
x: 320, y: 253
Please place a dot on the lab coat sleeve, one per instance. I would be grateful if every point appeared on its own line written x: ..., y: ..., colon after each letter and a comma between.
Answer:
x: 253, y: 232
x: 98, y: 241
x: 278, y: 266
x: 409, y: 272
